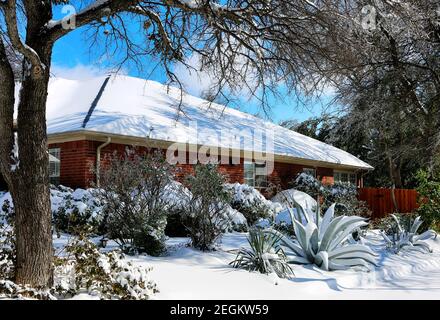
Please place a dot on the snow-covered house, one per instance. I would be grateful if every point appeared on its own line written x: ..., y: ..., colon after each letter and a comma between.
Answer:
x: 91, y: 118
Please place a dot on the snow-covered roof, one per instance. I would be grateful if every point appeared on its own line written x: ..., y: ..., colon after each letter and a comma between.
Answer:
x: 136, y: 107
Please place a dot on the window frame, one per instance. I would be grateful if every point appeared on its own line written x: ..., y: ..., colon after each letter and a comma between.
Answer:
x: 251, y: 167
x: 254, y: 165
x: 349, y: 176
x: 55, y: 174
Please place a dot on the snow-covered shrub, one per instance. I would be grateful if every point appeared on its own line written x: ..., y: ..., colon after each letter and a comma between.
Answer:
x: 251, y: 203
x: 177, y: 220
x: 288, y: 199
x: 265, y: 255
x: 75, y: 210
x: 236, y: 221
x: 176, y: 224
x: 12, y: 290
x: 6, y: 207
x: 8, y: 288
x: 177, y: 196
x: 7, y: 243
x: 72, y: 210
x: 207, y: 212
x: 403, y: 235
x: 388, y: 224
x: 324, y: 241
x: 344, y: 194
x: 107, y: 275
x: 283, y: 227
x: 306, y: 183
x: 133, y: 192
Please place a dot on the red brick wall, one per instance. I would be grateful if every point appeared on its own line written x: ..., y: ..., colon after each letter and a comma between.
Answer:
x: 78, y: 157
x: 283, y: 174
x: 76, y: 160
x: 234, y: 172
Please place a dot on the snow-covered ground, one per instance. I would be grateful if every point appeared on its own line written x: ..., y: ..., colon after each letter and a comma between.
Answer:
x: 185, y: 273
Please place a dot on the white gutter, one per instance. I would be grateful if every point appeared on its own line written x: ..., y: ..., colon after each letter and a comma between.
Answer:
x: 98, y: 160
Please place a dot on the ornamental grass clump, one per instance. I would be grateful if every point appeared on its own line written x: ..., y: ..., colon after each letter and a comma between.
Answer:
x: 265, y: 255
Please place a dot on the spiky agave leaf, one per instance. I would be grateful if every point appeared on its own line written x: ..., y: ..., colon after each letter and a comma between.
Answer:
x: 326, y: 245
x: 328, y: 217
x: 429, y: 234
x: 408, y: 239
x: 287, y: 242
x: 306, y: 214
x: 416, y: 224
x: 338, y: 225
x: 346, y: 232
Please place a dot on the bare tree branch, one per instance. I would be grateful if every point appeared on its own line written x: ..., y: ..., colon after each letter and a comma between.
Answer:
x: 6, y: 113
x: 10, y: 8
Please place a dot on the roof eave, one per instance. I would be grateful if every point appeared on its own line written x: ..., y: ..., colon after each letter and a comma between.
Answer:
x: 84, y: 134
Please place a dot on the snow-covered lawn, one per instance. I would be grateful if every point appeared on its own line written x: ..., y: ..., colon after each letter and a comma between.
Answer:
x: 185, y: 273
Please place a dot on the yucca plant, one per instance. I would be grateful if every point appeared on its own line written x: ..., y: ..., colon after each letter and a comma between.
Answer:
x: 265, y: 255
x: 406, y: 237
x: 323, y: 241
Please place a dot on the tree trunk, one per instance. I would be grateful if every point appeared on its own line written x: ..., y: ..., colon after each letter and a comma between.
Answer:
x: 394, y: 171
x: 393, y: 197
x: 30, y: 190
x: 26, y: 171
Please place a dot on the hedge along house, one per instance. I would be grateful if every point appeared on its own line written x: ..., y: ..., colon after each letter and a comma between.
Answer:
x: 89, y: 119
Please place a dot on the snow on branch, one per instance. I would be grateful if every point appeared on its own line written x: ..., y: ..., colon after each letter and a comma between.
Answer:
x: 94, y: 11
x: 9, y: 8
x: 15, y: 160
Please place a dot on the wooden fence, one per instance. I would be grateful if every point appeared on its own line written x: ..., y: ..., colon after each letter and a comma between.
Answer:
x: 380, y: 201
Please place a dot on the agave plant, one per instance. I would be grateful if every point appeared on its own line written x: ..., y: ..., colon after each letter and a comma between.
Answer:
x: 324, y: 241
x: 407, y: 238
x: 265, y: 255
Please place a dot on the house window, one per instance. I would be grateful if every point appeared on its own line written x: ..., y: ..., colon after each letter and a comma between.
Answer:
x: 54, y: 165
x: 310, y: 172
x: 255, y: 174
x: 341, y: 176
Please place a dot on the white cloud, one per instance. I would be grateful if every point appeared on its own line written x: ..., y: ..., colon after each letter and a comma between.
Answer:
x: 79, y: 71
x: 195, y: 82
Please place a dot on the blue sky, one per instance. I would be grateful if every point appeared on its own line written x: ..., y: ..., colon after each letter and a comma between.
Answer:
x: 73, y: 58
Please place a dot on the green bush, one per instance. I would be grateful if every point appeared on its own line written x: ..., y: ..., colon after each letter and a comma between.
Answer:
x: 207, y: 216
x: 428, y: 188
x: 133, y: 192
